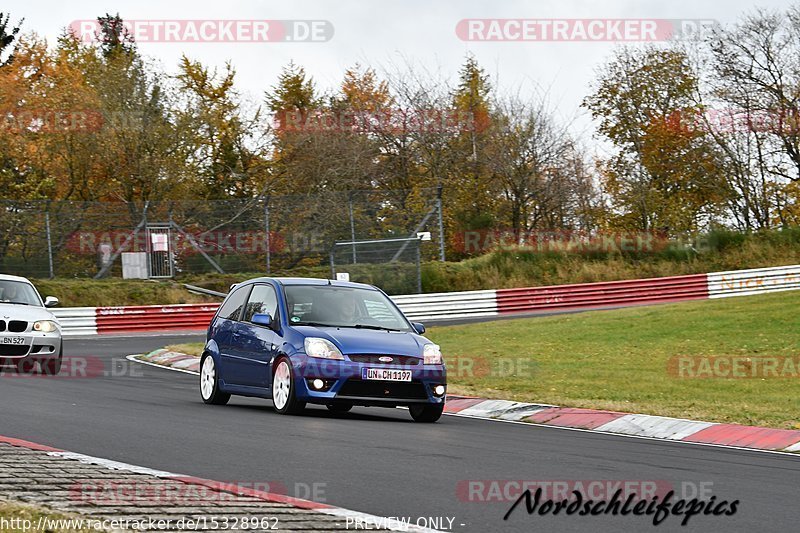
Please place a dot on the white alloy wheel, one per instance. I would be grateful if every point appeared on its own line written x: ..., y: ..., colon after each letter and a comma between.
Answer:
x: 208, y: 378
x: 281, y: 385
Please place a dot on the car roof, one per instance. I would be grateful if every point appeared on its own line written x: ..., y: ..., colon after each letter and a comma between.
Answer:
x: 9, y: 277
x: 312, y: 281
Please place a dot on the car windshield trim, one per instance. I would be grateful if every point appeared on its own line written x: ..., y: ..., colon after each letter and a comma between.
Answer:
x: 353, y: 326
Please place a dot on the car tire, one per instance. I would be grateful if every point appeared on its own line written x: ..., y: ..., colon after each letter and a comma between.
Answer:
x: 426, y: 413
x: 283, y: 390
x: 209, y: 383
x: 339, y: 407
x: 52, y: 367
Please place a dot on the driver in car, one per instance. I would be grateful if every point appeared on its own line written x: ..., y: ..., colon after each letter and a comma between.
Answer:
x: 9, y: 293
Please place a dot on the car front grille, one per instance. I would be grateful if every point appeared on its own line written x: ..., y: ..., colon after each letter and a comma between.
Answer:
x: 383, y: 389
x: 15, y: 326
x: 13, y: 350
x: 404, y: 360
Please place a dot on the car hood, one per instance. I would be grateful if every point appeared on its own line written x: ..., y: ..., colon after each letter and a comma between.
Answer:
x: 27, y: 313
x: 369, y: 341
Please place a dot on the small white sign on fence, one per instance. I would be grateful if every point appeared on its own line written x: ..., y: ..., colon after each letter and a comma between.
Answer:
x: 342, y: 276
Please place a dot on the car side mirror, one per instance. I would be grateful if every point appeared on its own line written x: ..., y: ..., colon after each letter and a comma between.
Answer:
x: 262, y: 319
x: 50, y: 301
x: 419, y: 327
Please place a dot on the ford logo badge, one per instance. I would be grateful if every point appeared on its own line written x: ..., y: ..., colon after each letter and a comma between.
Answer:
x: 385, y: 359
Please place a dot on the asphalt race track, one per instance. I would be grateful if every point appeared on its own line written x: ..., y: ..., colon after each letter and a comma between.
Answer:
x: 374, y: 460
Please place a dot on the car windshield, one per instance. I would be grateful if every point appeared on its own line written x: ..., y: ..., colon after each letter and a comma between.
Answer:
x: 329, y: 305
x: 18, y: 292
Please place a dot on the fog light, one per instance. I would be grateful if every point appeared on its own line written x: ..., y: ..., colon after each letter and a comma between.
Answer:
x: 438, y: 390
x: 318, y: 384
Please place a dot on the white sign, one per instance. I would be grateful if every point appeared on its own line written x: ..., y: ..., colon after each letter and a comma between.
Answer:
x: 342, y: 276
x: 424, y: 235
x: 160, y: 242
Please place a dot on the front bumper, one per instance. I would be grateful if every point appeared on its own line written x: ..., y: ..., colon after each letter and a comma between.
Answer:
x: 33, y: 345
x: 343, y: 383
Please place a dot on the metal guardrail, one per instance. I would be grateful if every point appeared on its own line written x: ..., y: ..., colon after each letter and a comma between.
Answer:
x: 603, y: 294
x: 753, y: 281
x: 448, y: 305
x: 201, y: 290
x: 469, y: 304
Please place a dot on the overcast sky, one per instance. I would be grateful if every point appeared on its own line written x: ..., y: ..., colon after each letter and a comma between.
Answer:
x: 380, y: 32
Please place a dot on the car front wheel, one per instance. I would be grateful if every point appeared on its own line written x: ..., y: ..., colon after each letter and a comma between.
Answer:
x: 283, y: 391
x: 426, y: 413
x: 209, y: 383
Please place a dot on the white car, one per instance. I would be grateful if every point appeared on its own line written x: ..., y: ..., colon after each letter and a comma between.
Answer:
x: 29, y: 333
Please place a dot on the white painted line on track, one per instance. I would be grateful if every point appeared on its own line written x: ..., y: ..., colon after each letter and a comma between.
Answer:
x: 534, y: 425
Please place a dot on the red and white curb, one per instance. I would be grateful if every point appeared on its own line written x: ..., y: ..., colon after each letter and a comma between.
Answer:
x: 632, y: 425
x: 598, y: 421
x: 372, y: 521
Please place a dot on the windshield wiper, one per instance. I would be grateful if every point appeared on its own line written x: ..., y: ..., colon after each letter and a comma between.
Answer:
x: 316, y: 324
x: 367, y: 326
x: 15, y: 303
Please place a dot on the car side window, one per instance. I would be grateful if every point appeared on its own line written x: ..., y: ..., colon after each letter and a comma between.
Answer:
x: 263, y: 299
x: 232, y: 308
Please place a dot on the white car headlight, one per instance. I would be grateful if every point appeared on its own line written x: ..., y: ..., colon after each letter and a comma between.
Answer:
x: 432, y: 354
x: 45, y: 326
x: 322, y: 348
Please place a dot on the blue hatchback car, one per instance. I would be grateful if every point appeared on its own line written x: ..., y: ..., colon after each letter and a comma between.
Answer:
x: 339, y: 344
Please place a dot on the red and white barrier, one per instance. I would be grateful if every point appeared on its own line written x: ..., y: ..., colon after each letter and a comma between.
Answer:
x: 468, y: 304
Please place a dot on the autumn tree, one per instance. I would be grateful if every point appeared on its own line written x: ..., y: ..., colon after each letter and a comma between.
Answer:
x: 662, y: 176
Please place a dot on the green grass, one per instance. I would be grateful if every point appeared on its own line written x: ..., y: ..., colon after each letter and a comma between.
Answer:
x: 15, y: 514
x: 113, y: 292
x: 618, y: 359
x: 189, y: 348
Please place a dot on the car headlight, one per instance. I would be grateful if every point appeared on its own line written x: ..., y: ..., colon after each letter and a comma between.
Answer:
x: 45, y: 326
x: 322, y: 348
x: 432, y: 354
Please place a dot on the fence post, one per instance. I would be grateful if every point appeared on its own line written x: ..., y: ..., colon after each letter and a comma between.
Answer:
x: 266, y: 227
x: 419, y: 269
x: 49, y: 241
x: 441, y: 222
x: 352, y: 225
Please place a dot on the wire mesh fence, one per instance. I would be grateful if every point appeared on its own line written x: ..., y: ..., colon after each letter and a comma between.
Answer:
x: 42, y: 239
x: 393, y: 264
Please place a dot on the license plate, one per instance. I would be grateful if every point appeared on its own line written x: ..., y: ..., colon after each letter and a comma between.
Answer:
x: 385, y: 374
x: 12, y: 340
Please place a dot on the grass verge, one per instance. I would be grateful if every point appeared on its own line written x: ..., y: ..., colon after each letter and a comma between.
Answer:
x: 189, y: 348
x: 620, y: 359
